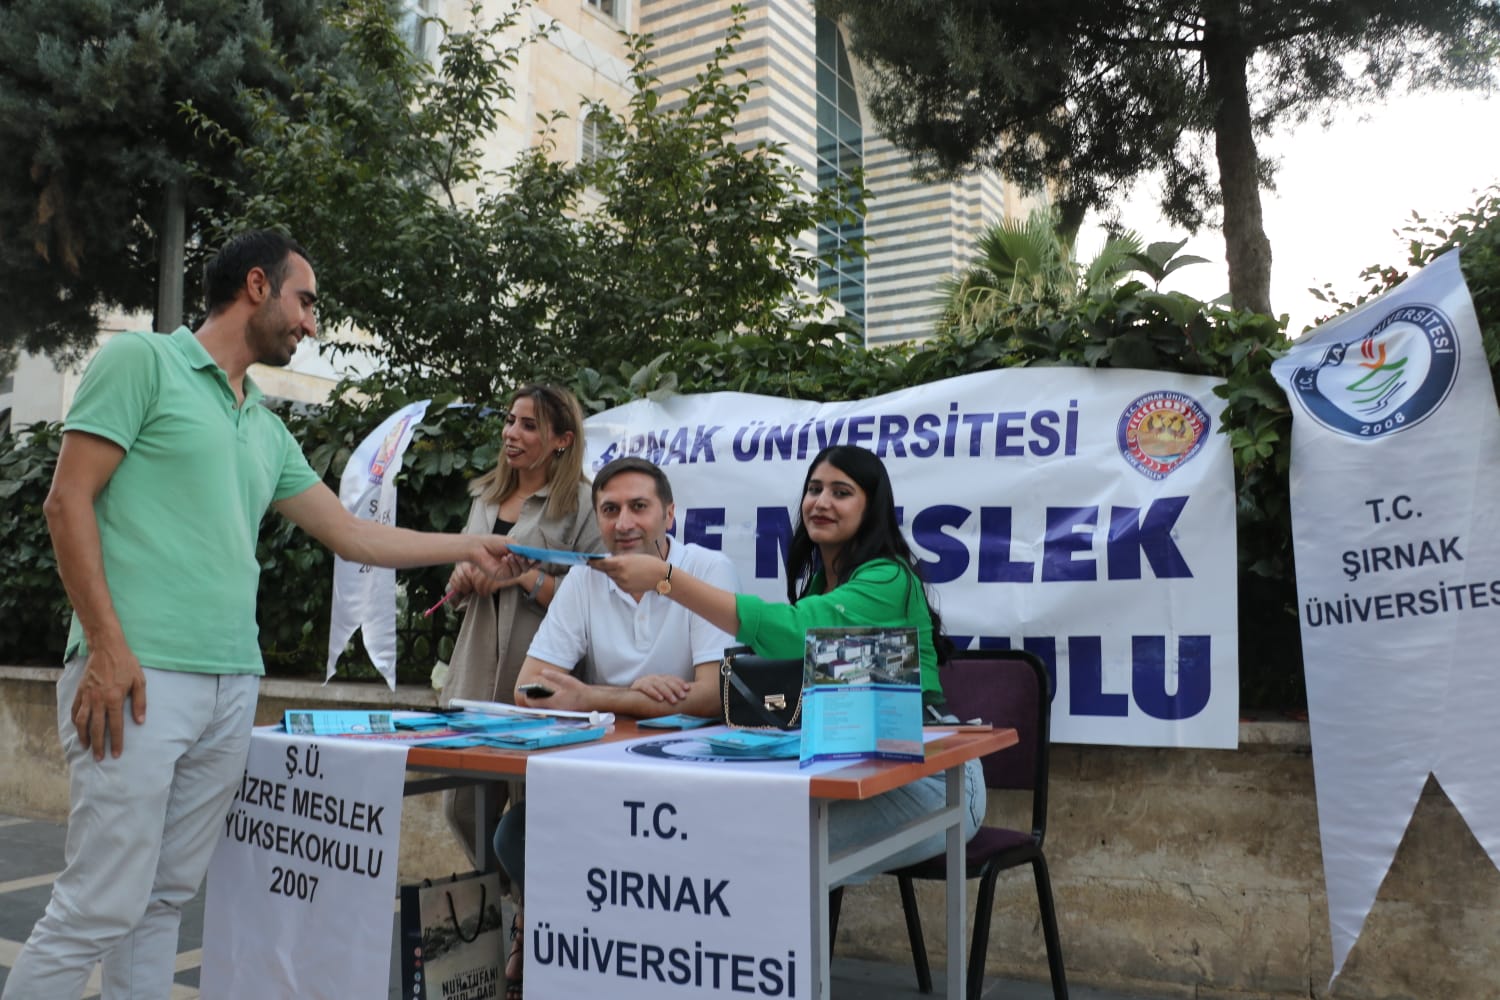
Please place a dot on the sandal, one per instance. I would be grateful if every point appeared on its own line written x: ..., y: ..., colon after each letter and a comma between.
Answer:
x: 513, y: 960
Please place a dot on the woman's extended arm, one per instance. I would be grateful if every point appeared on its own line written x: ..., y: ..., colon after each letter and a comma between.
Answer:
x: 636, y: 574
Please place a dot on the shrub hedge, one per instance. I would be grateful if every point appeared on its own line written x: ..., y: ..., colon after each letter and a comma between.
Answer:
x: 1131, y: 326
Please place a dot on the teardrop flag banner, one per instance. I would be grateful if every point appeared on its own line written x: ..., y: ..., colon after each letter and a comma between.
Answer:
x: 1394, y: 478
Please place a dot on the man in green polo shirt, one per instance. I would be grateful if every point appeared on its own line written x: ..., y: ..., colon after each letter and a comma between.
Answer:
x: 167, y: 466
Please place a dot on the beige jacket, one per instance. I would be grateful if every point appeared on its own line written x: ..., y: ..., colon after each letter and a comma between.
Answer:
x: 495, y: 635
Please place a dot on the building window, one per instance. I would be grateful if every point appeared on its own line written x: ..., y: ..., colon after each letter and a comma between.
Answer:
x: 613, y: 9
x: 841, y: 146
x: 415, y: 22
x: 591, y: 144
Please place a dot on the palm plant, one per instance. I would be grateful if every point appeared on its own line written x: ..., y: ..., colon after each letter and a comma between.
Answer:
x: 1026, y: 269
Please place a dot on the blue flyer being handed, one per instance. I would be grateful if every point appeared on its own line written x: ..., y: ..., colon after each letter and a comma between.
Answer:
x: 560, y: 557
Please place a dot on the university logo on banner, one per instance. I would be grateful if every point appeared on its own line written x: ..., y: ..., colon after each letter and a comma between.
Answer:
x: 364, y: 597
x: 1395, y: 470
x: 1161, y: 430
x: 1394, y: 376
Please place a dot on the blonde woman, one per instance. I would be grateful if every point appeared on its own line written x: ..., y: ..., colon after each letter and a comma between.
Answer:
x: 538, y: 495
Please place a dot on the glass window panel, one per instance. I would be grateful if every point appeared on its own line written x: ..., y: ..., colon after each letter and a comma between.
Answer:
x: 849, y: 130
x: 827, y: 84
x: 828, y: 34
x: 845, y: 72
x: 848, y: 98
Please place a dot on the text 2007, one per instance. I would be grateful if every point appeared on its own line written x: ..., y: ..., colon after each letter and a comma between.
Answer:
x: 298, y: 885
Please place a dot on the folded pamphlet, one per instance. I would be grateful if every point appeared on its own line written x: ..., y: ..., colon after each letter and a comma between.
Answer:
x: 754, y: 744
x: 561, y: 557
x: 537, y: 738
x: 320, y: 722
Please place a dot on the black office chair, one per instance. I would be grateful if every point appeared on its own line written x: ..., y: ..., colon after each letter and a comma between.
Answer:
x: 1008, y: 689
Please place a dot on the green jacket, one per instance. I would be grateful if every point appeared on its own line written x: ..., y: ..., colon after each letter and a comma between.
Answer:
x: 882, y: 593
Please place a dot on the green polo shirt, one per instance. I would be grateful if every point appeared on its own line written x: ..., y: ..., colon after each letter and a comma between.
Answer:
x: 179, y: 519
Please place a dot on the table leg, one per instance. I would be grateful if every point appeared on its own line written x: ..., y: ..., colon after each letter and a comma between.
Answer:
x: 484, y: 846
x: 956, y: 890
x: 822, y: 947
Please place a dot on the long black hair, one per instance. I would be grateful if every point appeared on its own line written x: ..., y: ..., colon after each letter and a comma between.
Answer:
x: 877, y: 537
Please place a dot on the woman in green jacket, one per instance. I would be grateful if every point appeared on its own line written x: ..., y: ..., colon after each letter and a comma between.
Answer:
x: 848, y: 565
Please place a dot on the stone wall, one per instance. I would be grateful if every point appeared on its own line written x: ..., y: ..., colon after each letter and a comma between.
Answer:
x: 1177, y: 873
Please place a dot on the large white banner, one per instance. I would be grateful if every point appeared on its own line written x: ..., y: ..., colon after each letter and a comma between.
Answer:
x: 1394, y: 479
x: 300, y: 888
x: 364, y: 597
x: 1087, y: 516
x: 655, y: 869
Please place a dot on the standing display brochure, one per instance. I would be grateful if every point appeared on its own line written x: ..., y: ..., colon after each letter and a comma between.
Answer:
x: 862, y: 695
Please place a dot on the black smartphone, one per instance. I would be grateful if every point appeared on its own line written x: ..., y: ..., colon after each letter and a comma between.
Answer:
x: 535, y: 690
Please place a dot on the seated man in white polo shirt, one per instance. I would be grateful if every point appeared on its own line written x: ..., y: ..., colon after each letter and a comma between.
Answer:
x: 641, y: 654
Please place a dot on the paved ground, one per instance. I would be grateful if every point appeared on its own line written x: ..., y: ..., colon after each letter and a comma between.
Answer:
x: 31, y: 853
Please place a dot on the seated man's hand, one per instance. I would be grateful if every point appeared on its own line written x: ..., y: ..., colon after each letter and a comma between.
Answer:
x: 662, y: 687
x: 568, y: 693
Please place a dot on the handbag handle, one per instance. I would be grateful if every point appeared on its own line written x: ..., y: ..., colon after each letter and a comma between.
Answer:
x: 458, y: 928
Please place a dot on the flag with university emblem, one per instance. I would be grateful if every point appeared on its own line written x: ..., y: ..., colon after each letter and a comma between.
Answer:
x: 1395, y: 470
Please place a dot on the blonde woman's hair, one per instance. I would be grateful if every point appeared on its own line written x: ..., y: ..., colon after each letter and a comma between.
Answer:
x: 557, y: 413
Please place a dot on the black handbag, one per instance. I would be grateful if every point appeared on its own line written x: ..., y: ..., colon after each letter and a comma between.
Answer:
x: 758, y: 692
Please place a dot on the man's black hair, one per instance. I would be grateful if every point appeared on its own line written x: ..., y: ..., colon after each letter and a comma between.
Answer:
x: 224, y: 275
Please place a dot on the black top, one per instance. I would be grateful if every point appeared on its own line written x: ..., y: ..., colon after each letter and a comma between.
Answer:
x: 502, y: 527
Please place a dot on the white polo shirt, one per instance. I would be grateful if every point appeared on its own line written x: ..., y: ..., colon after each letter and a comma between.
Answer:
x: 592, y: 621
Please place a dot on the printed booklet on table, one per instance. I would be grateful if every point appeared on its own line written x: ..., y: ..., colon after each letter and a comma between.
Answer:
x: 862, y: 695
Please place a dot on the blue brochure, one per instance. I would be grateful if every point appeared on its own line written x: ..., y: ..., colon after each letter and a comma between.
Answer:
x: 562, y: 557
x: 755, y: 744
x: 539, y: 737
x: 859, y: 721
x: 861, y: 695
x: 678, y: 721
x: 309, y: 722
x: 475, y: 722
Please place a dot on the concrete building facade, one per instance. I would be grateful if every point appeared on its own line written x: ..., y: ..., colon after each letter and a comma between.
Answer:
x: 809, y: 97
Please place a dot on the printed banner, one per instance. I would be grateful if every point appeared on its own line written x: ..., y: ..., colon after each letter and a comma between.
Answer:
x: 1086, y: 516
x: 300, y: 890
x: 364, y: 597
x: 657, y: 868
x: 1395, y: 471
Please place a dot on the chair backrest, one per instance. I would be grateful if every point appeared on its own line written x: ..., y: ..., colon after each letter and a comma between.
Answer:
x: 1008, y: 689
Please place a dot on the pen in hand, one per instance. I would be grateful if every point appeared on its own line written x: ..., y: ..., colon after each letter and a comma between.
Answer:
x: 441, y: 601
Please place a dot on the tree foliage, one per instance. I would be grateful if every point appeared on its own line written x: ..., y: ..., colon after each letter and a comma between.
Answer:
x: 472, y: 278
x: 1130, y: 325
x: 1089, y: 96
x: 89, y: 120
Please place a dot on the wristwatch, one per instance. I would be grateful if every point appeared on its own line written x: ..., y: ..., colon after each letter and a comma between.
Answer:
x: 665, y: 586
x: 536, y: 588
